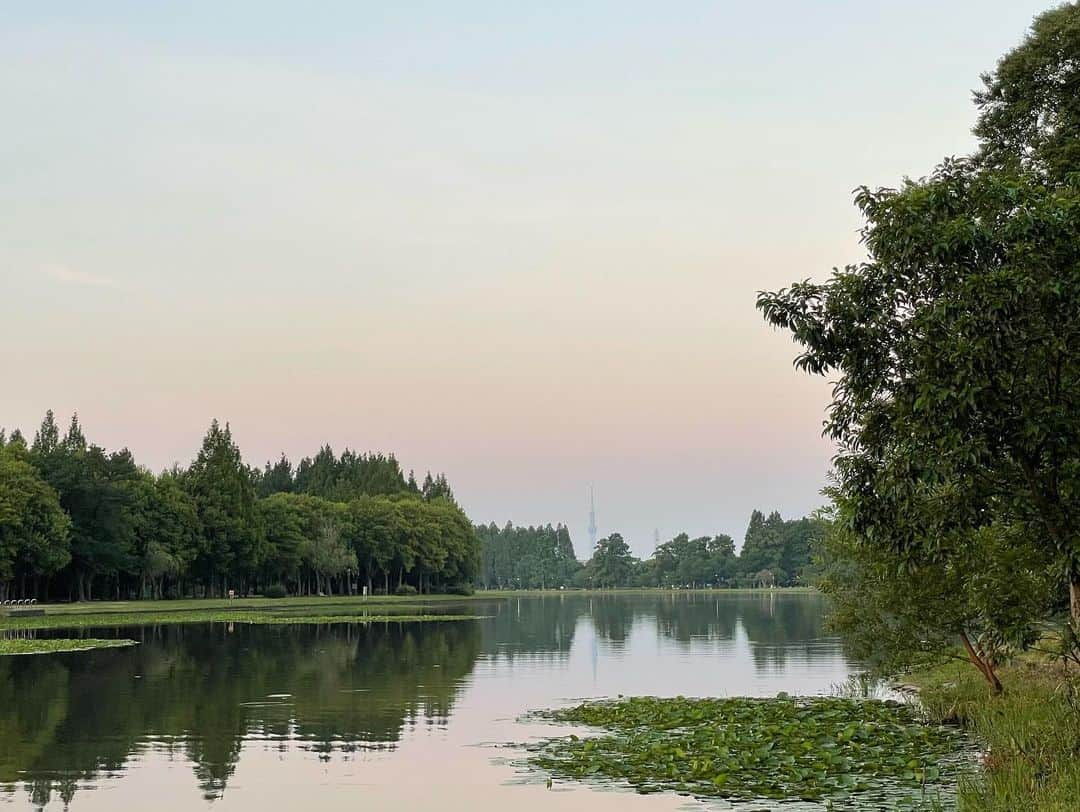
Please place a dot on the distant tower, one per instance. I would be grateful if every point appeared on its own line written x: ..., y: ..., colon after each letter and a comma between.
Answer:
x: 656, y: 536
x: 592, y: 519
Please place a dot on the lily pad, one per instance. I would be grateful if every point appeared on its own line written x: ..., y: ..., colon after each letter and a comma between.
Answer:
x: 846, y: 753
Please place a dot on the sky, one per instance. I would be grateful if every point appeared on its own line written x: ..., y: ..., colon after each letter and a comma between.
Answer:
x: 516, y: 243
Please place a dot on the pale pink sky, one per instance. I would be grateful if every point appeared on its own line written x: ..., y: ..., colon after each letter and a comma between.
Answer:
x: 518, y: 247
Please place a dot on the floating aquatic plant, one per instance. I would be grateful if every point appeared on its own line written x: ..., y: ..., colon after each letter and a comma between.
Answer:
x: 847, y: 753
x: 54, y: 645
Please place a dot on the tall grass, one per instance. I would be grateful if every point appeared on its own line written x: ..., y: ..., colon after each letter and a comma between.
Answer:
x: 1030, y: 734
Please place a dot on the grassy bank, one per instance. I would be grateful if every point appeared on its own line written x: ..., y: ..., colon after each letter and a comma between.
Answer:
x: 26, y: 646
x: 1030, y: 734
x: 187, y: 604
x: 112, y: 620
x: 308, y: 609
x: 372, y: 602
x: 238, y: 604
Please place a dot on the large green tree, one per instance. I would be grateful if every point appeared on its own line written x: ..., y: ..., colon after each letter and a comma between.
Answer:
x: 612, y: 564
x: 985, y: 588
x: 167, y: 532
x: 33, y: 526
x: 223, y: 490
x: 95, y: 489
x: 957, y: 344
x: 1029, y: 108
x: 957, y: 349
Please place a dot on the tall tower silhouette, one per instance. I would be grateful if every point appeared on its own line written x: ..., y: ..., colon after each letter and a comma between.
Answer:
x: 592, y: 519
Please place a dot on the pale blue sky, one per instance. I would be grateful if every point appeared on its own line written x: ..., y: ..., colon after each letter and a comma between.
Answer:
x: 518, y: 244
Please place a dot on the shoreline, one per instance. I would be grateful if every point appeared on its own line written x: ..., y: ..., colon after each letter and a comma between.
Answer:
x: 1030, y: 734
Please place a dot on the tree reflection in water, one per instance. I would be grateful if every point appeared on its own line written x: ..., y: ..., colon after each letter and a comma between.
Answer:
x: 200, y: 692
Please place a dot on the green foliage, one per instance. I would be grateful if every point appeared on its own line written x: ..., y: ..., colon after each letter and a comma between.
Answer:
x: 341, y: 479
x: 960, y: 386
x: 828, y: 749
x: 276, y: 478
x: 1029, y: 109
x: 436, y: 488
x: 687, y: 562
x: 33, y: 527
x: 205, y: 530
x: 988, y: 586
x: 1030, y: 734
x: 96, y: 492
x: 223, y: 490
x: 958, y: 401
x: 405, y: 589
x: 775, y: 552
x: 276, y: 591
x: 526, y: 557
x: 611, y: 565
x: 370, y: 536
x: 956, y: 397
x: 167, y: 531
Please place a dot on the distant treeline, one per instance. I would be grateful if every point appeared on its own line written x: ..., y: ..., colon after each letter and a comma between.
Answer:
x: 78, y: 522
x: 526, y: 557
x: 775, y: 552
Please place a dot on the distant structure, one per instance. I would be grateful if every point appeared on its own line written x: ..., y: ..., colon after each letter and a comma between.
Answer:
x: 592, y: 519
x: 656, y: 537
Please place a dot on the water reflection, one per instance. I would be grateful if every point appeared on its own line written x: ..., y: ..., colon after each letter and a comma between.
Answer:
x: 202, y: 690
x: 207, y: 697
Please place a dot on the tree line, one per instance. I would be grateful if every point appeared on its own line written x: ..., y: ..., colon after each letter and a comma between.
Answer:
x: 775, y: 552
x: 79, y: 522
x: 525, y: 557
x: 954, y: 349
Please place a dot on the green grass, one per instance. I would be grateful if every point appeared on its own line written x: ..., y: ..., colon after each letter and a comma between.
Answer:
x: 204, y: 604
x: 238, y: 604
x: 307, y: 609
x: 23, y: 646
x: 1030, y: 735
x: 87, y: 620
x: 845, y: 753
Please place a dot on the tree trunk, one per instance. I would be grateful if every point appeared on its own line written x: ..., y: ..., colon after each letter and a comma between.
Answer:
x: 982, y: 664
x: 1074, y: 594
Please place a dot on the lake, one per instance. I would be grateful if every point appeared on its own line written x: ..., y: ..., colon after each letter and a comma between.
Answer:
x: 386, y: 716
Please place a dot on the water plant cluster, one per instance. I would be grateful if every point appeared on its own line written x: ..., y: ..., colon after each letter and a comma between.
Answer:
x: 55, y: 646
x: 846, y: 752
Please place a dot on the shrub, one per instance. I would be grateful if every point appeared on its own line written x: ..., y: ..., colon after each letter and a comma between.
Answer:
x: 459, y: 589
x: 405, y: 589
x: 275, y: 591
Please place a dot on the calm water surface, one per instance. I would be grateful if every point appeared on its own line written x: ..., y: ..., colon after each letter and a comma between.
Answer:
x: 390, y: 716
